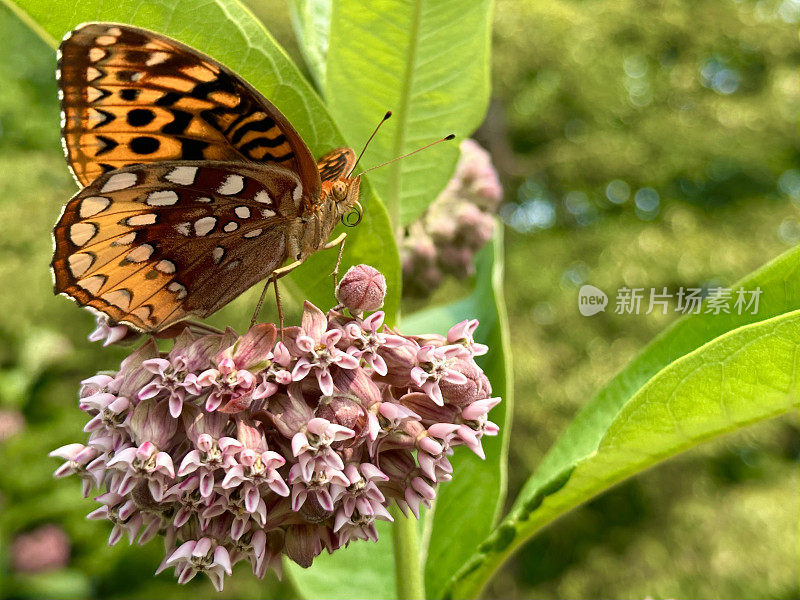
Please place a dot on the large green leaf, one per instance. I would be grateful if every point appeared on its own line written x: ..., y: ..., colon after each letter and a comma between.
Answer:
x: 312, y: 22
x: 478, y: 487
x: 425, y: 60
x: 704, y: 376
x: 227, y: 31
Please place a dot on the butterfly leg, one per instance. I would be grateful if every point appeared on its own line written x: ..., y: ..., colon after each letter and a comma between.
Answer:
x: 276, y: 274
x: 339, y: 241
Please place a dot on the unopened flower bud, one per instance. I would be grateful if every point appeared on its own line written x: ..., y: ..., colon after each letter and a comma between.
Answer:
x: 362, y: 288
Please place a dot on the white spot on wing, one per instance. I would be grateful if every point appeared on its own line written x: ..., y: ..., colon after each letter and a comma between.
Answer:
x: 182, y: 175
x: 162, y: 198
x: 204, y: 225
x: 263, y: 197
x: 92, y: 94
x: 125, y: 239
x: 106, y: 40
x: 80, y: 233
x: 183, y: 229
x: 178, y: 289
x: 92, y: 284
x: 156, y: 58
x: 119, y: 181
x: 93, y: 73
x: 233, y: 184
x: 204, y: 200
x: 217, y: 254
x: 96, y: 117
x: 267, y: 213
x: 230, y: 226
x: 145, y: 219
x: 115, y: 31
x: 166, y: 266
x: 96, y: 54
x: 242, y: 212
x: 140, y: 253
x: 92, y: 205
x: 79, y: 263
x: 253, y: 233
x: 297, y: 193
x: 143, y: 313
x: 119, y: 298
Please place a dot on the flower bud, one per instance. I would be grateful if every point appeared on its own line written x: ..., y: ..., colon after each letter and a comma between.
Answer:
x: 362, y: 288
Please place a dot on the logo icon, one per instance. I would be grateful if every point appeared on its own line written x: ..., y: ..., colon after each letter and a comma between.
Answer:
x: 591, y: 300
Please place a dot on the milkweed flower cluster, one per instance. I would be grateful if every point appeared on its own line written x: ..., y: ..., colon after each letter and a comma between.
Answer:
x: 455, y: 226
x: 237, y: 448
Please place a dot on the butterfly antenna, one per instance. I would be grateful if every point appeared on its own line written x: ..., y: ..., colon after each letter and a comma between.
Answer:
x: 385, y: 117
x: 444, y: 139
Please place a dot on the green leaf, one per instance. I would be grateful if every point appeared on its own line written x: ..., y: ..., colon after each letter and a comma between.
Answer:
x: 362, y: 570
x: 312, y: 23
x: 478, y: 487
x: 704, y: 376
x: 227, y: 31
x: 425, y: 60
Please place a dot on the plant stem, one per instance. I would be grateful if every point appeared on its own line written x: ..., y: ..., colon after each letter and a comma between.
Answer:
x: 407, y: 567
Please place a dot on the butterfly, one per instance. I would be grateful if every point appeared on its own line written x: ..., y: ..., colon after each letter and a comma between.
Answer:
x: 196, y: 187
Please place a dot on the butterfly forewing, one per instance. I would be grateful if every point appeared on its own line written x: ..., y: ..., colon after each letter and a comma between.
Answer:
x: 131, y: 96
x: 335, y: 164
x: 149, y: 245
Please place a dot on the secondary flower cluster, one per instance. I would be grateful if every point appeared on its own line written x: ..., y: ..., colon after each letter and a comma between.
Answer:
x: 456, y: 225
x: 246, y: 448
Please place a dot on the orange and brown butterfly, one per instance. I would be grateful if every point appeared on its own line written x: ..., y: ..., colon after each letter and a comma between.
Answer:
x: 195, y: 186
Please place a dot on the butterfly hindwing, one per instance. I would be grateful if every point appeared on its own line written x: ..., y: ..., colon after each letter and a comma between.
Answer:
x: 132, y: 96
x: 152, y: 244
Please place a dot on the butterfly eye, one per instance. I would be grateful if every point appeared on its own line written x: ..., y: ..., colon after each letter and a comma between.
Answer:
x: 353, y: 218
x: 339, y: 191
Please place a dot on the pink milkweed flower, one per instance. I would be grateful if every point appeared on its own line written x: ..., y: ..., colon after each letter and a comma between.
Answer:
x: 256, y: 467
x: 144, y: 462
x: 97, y: 384
x: 433, y: 366
x: 312, y: 448
x: 77, y: 457
x: 123, y: 513
x: 276, y: 374
x: 201, y: 556
x: 190, y: 501
x: 317, y: 348
x: 317, y: 485
x: 476, y: 417
x: 229, y: 385
x: 172, y: 378
x: 361, y: 496
x: 253, y: 546
x: 435, y: 449
x: 109, y: 425
x: 366, y: 341
x: 110, y: 334
x: 462, y: 333
x: 209, y: 455
x: 233, y: 381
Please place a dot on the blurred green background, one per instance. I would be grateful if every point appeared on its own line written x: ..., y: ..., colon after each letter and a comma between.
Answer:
x: 647, y: 143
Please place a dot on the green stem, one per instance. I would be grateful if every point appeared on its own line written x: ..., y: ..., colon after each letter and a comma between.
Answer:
x: 407, y: 565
